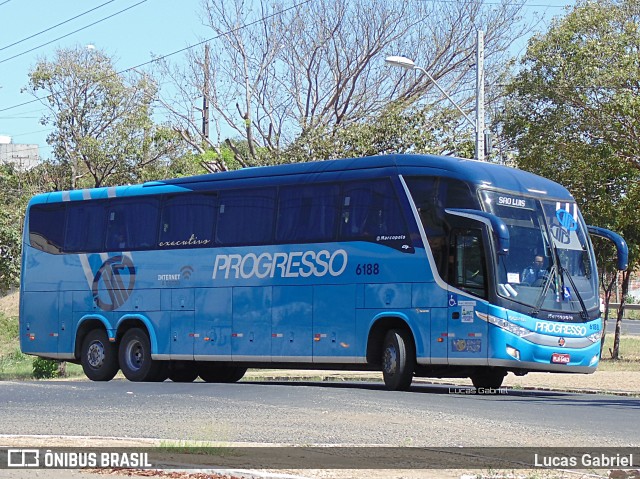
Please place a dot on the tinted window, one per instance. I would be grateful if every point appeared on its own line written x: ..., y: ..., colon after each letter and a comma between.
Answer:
x: 469, y: 271
x: 431, y: 196
x: 187, y: 221
x: 46, y: 227
x: 132, y: 224
x: 245, y: 217
x: 85, y: 227
x: 307, y: 213
x: 371, y: 212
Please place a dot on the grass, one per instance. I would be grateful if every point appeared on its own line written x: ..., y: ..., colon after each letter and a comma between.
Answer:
x: 14, y: 364
x: 629, y: 354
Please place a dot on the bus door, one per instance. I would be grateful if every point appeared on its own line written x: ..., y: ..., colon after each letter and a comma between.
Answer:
x: 467, y: 334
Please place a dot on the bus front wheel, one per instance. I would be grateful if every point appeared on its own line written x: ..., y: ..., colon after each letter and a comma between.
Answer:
x: 135, y: 357
x: 99, y: 357
x: 398, y: 360
x: 488, y: 379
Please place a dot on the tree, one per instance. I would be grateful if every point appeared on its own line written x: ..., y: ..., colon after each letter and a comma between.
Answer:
x: 281, y: 71
x: 11, y: 218
x: 573, y: 115
x: 103, y: 132
x: 396, y: 129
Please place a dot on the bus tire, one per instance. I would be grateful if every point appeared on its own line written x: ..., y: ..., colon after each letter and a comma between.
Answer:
x: 211, y: 373
x: 398, y: 360
x: 135, y: 357
x: 183, y: 373
x: 98, y: 356
x: 488, y: 379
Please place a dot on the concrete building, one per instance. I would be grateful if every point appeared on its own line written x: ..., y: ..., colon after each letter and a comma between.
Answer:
x: 23, y: 156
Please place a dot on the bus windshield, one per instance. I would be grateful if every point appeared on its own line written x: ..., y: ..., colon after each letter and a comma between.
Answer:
x: 548, y: 266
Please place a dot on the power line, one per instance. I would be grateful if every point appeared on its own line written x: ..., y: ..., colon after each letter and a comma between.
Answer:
x: 75, y: 31
x: 133, y: 68
x: 6, y: 1
x: 55, y: 26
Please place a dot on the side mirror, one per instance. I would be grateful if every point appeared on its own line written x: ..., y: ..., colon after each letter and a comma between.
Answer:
x: 496, y: 224
x: 616, y: 239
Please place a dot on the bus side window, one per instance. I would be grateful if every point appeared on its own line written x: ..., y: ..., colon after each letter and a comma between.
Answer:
x: 371, y: 211
x: 245, y: 217
x: 46, y: 227
x: 187, y: 220
x: 132, y: 224
x: 307, y: 213
x: 85, y: 227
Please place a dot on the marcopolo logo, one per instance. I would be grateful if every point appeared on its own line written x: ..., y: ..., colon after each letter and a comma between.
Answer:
x: 295, y: 264
x: 113, y: 283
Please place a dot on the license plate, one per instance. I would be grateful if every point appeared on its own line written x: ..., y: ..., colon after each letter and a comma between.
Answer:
x: 560, y: 358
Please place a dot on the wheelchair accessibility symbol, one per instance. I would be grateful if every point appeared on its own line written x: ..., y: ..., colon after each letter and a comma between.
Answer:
x: 453, y: 300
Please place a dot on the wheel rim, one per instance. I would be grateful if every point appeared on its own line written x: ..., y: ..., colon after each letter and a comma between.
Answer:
x: 95, y: 354
x: 390, y: 360
x: 134, y: 356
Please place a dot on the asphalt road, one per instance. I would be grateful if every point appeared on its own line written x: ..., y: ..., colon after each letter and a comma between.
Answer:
x: 317, y: 413
x: 629, y: 326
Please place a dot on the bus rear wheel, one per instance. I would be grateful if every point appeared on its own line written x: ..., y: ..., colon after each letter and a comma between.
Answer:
x: 212, y: 373
x: 99, y: 357
x: 398, y: 360
x: 135, y: 358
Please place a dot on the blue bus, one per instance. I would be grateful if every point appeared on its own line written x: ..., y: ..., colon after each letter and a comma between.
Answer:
x: 412, y: 265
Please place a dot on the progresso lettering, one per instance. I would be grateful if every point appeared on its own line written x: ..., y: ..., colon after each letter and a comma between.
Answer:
x: 295, y: 264
x: 559, y: 328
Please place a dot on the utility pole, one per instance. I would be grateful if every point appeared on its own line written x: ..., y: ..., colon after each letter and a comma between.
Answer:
x: 478, y: 124
x: 205, y: 94
x: 480, y: 96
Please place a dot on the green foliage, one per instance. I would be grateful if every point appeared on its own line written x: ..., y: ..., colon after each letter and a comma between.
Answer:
x: 12, y: 204
x: 45, y: 368
x: 573, y: 113
x: 102, y: 128
x: 398, y: 129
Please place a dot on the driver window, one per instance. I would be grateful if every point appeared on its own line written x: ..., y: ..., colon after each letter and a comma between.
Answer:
x: 468, y: 272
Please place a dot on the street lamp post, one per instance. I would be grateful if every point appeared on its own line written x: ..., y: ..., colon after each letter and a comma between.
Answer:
x: 478, y: 124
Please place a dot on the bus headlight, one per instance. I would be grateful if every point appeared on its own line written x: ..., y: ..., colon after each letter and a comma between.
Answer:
x: 594, y: 360
x: 595, y: 337
x: 504, y: 324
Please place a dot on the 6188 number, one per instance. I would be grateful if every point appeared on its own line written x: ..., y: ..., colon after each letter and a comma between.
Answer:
x: 368, y: 269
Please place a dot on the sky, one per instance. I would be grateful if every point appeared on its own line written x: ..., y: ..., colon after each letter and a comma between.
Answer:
x: 131, y: 31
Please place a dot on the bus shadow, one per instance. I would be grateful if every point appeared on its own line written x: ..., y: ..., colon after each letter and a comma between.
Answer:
x: 416, y: 388
x: 503, y: 393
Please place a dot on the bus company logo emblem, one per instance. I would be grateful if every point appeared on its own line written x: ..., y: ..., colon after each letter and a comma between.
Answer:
x: 561, y: 342
x: 115, y: 279
x: 567, y: 220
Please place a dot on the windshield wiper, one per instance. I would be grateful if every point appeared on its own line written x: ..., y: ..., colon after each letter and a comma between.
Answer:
x: 558, y: 271
x: 584, y: 314
x: 543, y: 294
